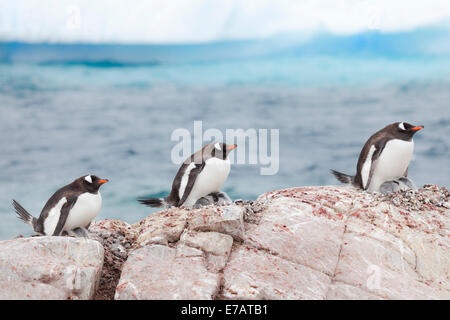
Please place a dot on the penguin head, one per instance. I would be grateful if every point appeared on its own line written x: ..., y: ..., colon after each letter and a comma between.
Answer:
x: 406, y: 129
x: 221, y: 150
x: 92, y: 183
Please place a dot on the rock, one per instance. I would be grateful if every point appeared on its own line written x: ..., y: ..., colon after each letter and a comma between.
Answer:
x: 186, y: 251
x: 13, y: 290
x: 223, y: 219
x: 217, y: 247
x: 290, y: 229
x: 117, y: 238
x: 215, y: 243
x: 160, y: 272
x: 317, y: 243
x: 254, y: 274
x: 340, y: 199
x: 432, y: 258
x: 382, y: 267
x: 385, y: 250
x: 50, y: 268
x: 299, y: 243
x: 343, y: 291
x: 161, y: 227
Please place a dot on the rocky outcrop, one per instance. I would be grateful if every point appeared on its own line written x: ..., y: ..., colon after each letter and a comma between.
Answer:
x: 180, y: 253
x: 117, y: 237
x: 299, y: 243
x: 49, y: 268
x: 162, y: 272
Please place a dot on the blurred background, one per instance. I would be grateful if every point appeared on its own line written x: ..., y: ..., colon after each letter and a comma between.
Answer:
x: 97, y: 87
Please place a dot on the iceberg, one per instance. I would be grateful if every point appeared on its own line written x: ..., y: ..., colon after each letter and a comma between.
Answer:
x: 198, y: 21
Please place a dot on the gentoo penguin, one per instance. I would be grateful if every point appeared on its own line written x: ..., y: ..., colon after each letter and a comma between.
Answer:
x: 202, y: 173
x: 71, y: 207
x: 384, y: 157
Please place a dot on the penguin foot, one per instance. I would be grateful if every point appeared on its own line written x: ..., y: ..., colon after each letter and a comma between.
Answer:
x: 215, y: 198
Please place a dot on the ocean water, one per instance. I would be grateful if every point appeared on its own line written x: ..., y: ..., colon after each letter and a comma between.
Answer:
x: 61, y: 118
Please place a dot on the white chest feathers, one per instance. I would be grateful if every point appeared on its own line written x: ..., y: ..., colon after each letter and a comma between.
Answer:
x: 210, y: 179
x: 85, y: 209
x: 392, y: 162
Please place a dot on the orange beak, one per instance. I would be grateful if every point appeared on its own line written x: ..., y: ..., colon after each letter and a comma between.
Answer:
x: 417, y: 128
x: 234, y: 146
x: 103, y: 181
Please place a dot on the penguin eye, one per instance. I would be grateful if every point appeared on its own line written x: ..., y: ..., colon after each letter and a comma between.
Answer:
x: 88, y: 179
x: 217, y: 146
x: 401, y: 126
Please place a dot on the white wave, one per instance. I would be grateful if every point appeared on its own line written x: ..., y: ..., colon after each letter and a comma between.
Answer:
x: 186, y: 21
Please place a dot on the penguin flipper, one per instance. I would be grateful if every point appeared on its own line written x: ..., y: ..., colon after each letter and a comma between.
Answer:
x: 193, y: 174
x: 23, y: 214
x: 379, y: 147
x: 64, y: 213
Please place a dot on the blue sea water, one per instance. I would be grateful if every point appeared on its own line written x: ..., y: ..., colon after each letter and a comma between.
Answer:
x: 70, y: 110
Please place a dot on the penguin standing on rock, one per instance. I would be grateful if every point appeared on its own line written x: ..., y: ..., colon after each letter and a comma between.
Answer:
x: 202, y: 174
x: 385, y: 157
x: 72, y: 207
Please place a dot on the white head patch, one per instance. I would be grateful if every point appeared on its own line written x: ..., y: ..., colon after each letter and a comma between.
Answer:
x: 217, y: 146
x: 88, y: 179
x: 401, y: 126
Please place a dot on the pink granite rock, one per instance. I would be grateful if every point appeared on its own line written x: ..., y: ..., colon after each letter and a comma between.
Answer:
x: 255, y: 274
x: 50, y: 268
x: 373, y: 246
x: 117, y: 238
x: 307, y: 243
x: 216, y: 246
x: 228, y: 219
x: 161, y: 227
x: 16, y: 290
x: 290, y: 229
x: 343, y: 291
x: 300, y: 243
x: 161, y: 272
